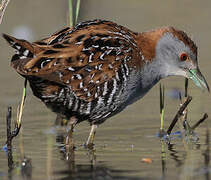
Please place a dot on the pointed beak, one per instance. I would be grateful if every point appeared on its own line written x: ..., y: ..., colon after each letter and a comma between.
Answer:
x: 198, y: 78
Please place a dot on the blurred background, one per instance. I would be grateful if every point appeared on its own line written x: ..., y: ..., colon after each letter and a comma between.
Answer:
x: 123, y: 140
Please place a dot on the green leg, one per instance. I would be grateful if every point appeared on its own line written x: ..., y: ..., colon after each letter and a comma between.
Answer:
x: 69, y: 144
x: 90, y: 141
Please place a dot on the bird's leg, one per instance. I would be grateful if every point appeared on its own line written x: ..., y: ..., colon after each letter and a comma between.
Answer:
x: 89, y: 143
x: 69, y: 143
x: 59, y: 119
x: 69, y: 137
x: 92, y: 156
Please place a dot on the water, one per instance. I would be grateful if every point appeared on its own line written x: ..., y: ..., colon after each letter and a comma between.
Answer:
x: 125, y: 139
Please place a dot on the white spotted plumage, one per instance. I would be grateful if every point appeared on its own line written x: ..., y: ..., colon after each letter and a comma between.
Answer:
x: 26, y: 52
x: 114, y: 88
x: 78, y: 76
x: 71, y: 69
x: 105, y: 88
x: 81, y: 85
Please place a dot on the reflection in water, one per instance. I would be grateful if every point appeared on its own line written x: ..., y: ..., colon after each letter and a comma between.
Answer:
x: 96, y: 172
x: 93, y: 170
x: 186, y: 160
x: 163, y: 159
x: 21, y: 166
x: 175, y: 155
x: 26, y: 169
x: 206, y: 155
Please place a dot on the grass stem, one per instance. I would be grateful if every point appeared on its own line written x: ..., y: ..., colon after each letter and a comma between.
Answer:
x: 71, y: 13
x: 77, y: 10
x: 20, y: 109
x: 162, y: 110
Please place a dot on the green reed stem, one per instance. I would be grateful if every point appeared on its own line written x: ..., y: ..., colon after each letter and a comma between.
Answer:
x: 162, y: 120
x: 163, y: 159
x: 186, y: 87
x: 77, y: 10
x: 162, y: 110
x: 71, y: 13
x: 20, y: 109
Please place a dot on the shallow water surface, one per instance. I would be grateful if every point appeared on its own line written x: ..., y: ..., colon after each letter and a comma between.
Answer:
x: 121, y: 144
x: 125, y: 139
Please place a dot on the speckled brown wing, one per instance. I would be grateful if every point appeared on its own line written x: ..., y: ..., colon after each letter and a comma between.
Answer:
x: 54, y: 38
x: 85, y: 58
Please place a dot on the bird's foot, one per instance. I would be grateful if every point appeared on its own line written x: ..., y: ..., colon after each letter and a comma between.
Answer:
x: 69, y: 150
x: 89, y: 146
x: 69, y: 145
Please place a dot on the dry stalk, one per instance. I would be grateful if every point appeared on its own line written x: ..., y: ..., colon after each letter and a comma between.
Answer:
x: 3, y: 7
x: 179, y: 114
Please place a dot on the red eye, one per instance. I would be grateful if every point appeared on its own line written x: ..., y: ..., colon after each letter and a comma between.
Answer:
x: 183, y: 57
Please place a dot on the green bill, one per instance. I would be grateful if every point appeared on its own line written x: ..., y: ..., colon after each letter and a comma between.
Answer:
x: 198, y: 78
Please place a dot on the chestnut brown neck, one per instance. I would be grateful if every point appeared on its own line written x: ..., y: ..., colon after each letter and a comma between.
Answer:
x: 147, y: 42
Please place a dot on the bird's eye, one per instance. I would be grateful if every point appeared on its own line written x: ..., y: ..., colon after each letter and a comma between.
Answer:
x: 183, y: 57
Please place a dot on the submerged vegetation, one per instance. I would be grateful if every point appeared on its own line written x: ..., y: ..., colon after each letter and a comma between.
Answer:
x: 189, y: 137
x: 181, y: 114
x: 14, y: 133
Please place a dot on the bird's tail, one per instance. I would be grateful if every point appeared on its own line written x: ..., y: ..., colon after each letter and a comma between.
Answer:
x: 24, y: 51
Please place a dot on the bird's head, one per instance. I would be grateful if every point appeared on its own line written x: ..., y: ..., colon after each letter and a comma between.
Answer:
x: 176, y: 54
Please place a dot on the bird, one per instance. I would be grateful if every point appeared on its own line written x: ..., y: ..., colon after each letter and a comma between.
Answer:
x: 94, y: 70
